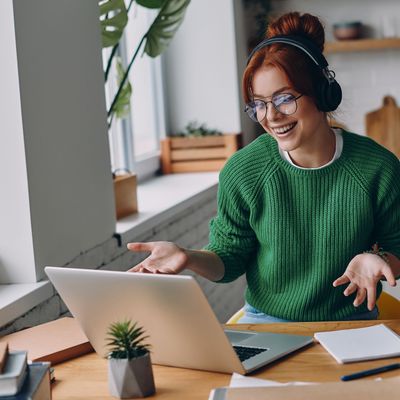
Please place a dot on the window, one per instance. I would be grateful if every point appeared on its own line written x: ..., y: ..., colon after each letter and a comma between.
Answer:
x: 134, y: 141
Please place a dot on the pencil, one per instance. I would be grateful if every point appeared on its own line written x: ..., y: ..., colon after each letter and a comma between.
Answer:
x: 368, y: 372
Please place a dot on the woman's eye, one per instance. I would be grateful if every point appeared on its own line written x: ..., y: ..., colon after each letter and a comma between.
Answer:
x: 285, y: 98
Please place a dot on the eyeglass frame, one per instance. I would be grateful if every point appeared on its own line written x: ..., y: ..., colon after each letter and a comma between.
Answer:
x: 295, y: 98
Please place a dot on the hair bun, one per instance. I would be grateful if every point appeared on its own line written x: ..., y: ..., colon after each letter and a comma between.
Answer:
x: 294, y: 23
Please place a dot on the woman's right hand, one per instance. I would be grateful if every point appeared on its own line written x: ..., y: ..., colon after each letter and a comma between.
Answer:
x: 164, y: 258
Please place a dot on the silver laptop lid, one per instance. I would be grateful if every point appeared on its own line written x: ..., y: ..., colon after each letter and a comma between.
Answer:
x: 183, y: 330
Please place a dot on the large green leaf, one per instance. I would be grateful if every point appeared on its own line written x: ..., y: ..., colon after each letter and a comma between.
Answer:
x: 122, y: 105
x: 113, y: 19
x: 165, y: 26
x: 150, y: 3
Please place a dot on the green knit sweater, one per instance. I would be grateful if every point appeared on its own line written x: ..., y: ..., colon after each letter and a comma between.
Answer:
x: 294, y: 231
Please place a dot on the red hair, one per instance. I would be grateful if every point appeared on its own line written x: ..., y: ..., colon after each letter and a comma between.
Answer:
x: 300, y: 70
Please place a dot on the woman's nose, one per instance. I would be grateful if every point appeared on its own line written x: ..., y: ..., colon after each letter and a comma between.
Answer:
x: 271, y: 112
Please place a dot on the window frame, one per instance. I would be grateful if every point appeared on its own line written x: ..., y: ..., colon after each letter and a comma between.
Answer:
x: 122, y: 132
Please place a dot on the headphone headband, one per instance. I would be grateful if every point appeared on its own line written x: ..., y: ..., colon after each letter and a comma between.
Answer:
x: 301, y: 42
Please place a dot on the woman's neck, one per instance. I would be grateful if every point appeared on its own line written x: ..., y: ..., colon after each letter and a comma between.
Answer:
x: 318, y: 152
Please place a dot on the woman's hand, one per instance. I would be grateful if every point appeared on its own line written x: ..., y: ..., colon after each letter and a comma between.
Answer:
x: 363, y: 273
x: 164, y: 258
x: 168, y: 258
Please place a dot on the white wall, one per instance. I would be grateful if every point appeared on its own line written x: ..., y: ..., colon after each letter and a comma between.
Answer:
x: 365, y: 77
x: 202, y: 81
x: 54, y: 122
x: 15, y: 231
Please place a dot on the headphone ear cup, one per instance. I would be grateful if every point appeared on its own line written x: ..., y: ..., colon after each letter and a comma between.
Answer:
x: 329, y: 95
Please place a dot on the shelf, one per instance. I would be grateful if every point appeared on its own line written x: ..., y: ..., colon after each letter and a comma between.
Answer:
x: 346, y: 46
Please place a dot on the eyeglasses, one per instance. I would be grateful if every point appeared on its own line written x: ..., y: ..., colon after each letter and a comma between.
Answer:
x: 285, y: 103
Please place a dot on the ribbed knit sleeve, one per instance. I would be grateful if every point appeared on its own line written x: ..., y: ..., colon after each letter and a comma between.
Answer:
x: 387, y: 225
x: 380, y: 170
x: 231, y: 236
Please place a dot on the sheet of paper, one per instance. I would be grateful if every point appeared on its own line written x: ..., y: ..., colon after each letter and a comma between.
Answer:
x: 238, y: 380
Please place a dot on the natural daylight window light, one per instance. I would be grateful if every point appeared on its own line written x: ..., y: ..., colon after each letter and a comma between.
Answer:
x: 134, y: 140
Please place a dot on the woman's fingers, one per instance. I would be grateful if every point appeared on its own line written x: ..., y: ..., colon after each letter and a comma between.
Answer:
x: 350, y: 289
x: 144, y: 266
x: 136, y: 246
x: 341, y: 280
x: 136, y: 268
x: 388, y: 274
x: 143, y: 269
x: 371, y: 297
x: 360, y: 298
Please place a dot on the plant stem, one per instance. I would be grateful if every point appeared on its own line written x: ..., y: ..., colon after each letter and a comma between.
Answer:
x: 109, y: 62
x: 125, y: 77
x: 110, y: 121
x: 130, y: 4
x: 114, y: 49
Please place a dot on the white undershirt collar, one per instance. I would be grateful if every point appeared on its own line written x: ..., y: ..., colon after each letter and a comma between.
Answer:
x: 338, y: 151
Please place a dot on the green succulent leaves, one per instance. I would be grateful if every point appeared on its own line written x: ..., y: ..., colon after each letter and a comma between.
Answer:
x: 193, y: 128
x: 113, y: 19
x: 126, y: 340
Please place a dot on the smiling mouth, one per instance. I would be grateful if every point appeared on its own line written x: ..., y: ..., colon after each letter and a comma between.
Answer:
x: 282, y: 130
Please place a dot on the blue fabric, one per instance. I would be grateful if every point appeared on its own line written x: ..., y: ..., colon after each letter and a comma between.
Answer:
x: 254, y: 316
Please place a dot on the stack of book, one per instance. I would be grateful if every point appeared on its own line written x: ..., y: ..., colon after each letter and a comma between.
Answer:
x: 20, y: 379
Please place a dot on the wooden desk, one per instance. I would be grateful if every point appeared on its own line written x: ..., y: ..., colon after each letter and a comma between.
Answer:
x: 86, y: 377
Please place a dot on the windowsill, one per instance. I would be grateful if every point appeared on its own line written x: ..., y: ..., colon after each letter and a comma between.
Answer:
x: 19, y: 298
x: 159, y: 199
x: 163, y: 197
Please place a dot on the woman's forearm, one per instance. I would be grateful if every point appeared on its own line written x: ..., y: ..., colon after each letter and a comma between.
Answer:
x: 205, y: 263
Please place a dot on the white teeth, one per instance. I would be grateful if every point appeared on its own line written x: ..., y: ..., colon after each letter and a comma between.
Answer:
x: 283, y: 129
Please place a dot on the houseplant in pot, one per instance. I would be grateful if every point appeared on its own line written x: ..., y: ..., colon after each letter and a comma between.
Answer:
x: 130, y: 372
x: 114, y: 16
x: 197, y: 148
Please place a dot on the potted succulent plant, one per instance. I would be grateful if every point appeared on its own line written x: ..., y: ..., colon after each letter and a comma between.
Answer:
x: 130, y: 371
x: 197, y: 148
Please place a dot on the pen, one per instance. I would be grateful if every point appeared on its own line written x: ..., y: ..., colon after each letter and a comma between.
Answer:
x: 369, y: 372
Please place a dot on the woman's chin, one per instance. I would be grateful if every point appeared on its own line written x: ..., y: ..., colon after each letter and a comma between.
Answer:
x: 285, y: 143
x: 287, y: 149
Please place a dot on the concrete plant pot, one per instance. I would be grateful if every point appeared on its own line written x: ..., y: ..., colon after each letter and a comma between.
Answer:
x: 130, y: 378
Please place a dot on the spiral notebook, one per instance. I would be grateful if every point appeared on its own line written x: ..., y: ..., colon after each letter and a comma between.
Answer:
x: 361, y: 344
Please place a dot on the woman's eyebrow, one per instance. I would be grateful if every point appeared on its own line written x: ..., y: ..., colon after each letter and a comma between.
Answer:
x: 276, y: 92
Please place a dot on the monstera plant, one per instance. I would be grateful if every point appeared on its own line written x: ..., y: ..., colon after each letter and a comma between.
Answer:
x: 114, y: 16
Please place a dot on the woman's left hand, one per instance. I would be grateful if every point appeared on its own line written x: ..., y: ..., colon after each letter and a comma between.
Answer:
x: 362, y: 274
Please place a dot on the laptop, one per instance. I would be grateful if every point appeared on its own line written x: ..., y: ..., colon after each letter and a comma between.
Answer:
x: 174, y: 312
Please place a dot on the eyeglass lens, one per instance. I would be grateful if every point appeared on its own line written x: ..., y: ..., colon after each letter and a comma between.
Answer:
x: 284, y: 103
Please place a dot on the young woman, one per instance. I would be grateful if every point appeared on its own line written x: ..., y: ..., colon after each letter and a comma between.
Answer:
x: 301, y: 207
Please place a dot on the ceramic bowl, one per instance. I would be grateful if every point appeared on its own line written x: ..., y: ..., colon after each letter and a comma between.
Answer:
x: 347, y: 30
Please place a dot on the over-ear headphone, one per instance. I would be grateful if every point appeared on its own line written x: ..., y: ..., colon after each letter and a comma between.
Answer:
x: 328, y: 90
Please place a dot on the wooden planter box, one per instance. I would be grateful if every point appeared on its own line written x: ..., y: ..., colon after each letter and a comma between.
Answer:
x: 125, y: 192
x: 198, y: 154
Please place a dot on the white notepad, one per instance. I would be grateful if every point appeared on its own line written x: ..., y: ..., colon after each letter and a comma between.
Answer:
x: 351, y: 345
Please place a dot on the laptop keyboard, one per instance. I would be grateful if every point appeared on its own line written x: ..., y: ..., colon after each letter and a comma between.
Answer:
x: 244, y: 353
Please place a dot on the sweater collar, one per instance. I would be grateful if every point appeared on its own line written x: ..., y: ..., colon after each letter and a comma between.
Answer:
x: 333, y: 166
